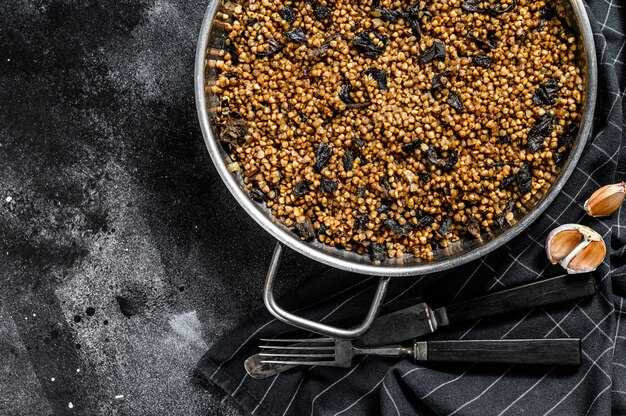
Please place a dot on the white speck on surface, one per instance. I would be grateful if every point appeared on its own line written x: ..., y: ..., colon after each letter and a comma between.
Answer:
x: 70, y: 405
x: 119, y: 396
x: 52, y: 379
x: 9, y: 198
x: 34, y: 314
x: 78, y: 370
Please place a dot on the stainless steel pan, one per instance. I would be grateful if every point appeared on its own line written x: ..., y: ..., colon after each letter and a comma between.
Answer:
x: 211, y: 41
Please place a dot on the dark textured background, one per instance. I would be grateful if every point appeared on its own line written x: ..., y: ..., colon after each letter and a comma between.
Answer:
x: 108, y: 201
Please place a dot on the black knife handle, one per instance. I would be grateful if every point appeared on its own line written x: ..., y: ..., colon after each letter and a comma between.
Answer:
x: 544, y: 292
x: 515, y: 351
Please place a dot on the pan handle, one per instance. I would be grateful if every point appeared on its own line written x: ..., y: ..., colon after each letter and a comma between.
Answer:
x: 314, y: 326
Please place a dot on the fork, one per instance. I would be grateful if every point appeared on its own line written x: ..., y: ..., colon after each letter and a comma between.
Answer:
x: 333, y: 352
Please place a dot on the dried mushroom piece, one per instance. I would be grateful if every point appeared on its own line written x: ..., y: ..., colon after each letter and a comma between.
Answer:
x: 371, y: 44
x: 473, y: 227
x: 231, y: 49
x: 565, y: 141
x: 384, y: 209
x: 344, y: 93
x: 258, y: 195
x: 378, y: 75
x: 385, y: 187
x: 437, y: 52
x: 328, y: 185
x: 377, y: 252
x: 540, y: 130
x: 321, y: 12
x: 414, y: 14
x: 437, y: 82
x: 386, y: 14
x: 496, y: 11
x: 288, y: 14
x: 569, y: 135
x: 297, y: 35
x: 302, y: 188
x: 473, y: 6
x: 361, y: 192
x: 233, y: 129
x: 348, y: 159
x: 481, y: 60
x: 323, y: 153
x: 397, y: 228
x: 508, y: 181
x: 443, y: 162
x: 360, y: 223
x: 454, y: 100
x: 315, y: 53
x: 547, y: 93
x: 412, y: 146
x: 501, y: 218
x: 344, y: 96
x: 504, y: 139
x: 305, y: 229
x: 273, y: 48
x: 547, y: 12
x: 445, y: 226
x: 524, y: 179
x: 425, y: 221
x: 490, y: 43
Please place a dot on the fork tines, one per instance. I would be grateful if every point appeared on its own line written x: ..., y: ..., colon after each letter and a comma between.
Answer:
x: 304, y: 351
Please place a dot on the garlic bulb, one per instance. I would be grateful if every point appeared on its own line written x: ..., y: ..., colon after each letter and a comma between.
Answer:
x: 606, y: 200
x: 578, y: 248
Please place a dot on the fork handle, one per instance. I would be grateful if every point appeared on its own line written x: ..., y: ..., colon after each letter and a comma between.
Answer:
x: 565, y: 351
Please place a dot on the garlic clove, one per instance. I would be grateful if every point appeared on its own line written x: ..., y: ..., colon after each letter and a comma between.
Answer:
x: 577, y: 248
x: 606, y: 200
x: 561, y: 244
x: 588, y: 259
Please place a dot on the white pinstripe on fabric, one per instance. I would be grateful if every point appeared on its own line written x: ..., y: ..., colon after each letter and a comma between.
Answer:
x: 579, y: 382
x: 527, y: 391
x: 391, y: 398
x: 360, y: 398
x: 482, y: 393
x: 596, y: 399
x: 337, y: 382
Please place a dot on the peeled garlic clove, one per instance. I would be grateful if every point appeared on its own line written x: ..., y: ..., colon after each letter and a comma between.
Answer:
x: 606, y: 200
x: 588, y: 259
x: 578, y: 248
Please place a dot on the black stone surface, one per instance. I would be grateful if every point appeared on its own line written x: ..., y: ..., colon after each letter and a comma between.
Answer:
x: 122, y: 255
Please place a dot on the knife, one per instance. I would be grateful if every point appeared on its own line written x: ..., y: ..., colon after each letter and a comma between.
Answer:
x: 418, y: 320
